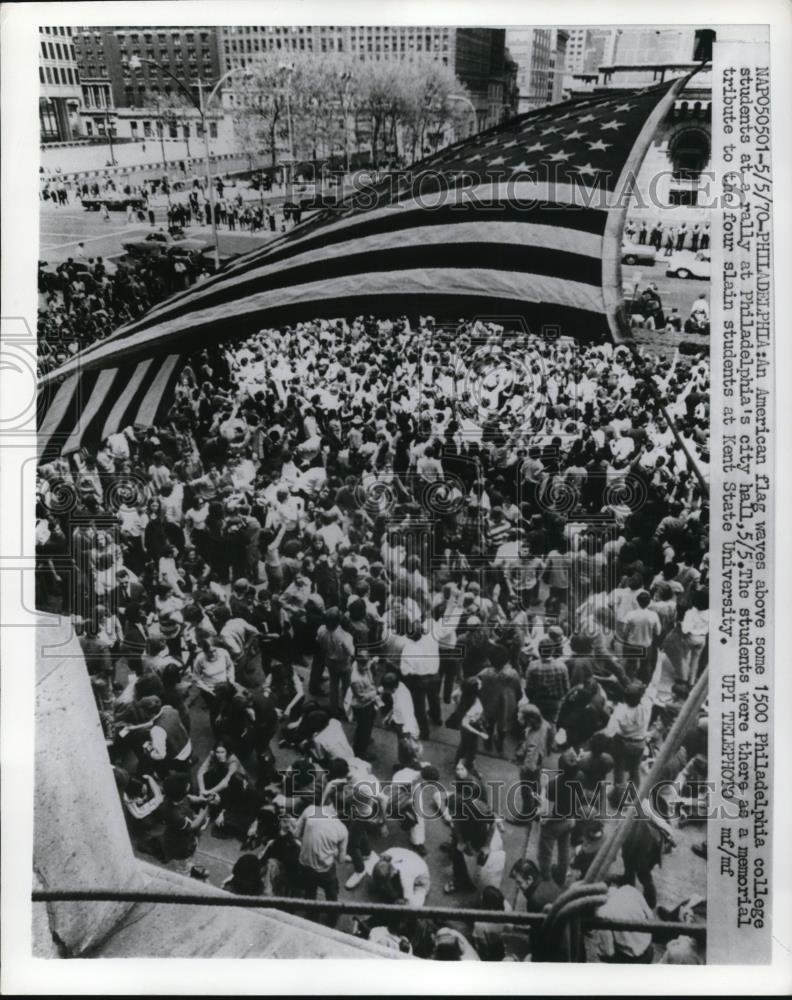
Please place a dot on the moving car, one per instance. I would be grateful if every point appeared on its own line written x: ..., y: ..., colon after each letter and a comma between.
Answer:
x: 637, y: 253
x: 687, y: 264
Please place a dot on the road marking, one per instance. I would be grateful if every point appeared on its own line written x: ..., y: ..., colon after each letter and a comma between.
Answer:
x: 89, y: 239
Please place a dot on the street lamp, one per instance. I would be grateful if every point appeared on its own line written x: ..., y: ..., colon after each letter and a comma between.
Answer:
x: 288, y: 68
x: 109, y: 131
x: 347, y: 78
x: 202, y: 106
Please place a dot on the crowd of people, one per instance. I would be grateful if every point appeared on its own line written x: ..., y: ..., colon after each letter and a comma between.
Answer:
x: 83, y: 299
x: 355, y: 541
x: 647, y: 312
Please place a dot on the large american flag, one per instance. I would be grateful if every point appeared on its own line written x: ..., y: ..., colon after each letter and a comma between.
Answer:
x: 522, y: 222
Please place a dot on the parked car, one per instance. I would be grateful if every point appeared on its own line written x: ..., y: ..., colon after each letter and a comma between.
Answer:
x: 162, y: 242
x: 687, y: 264
x: 637, y: 253
x: 115, y: 203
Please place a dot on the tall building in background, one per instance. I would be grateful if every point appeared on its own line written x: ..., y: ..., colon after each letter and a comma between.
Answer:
x: 575, y: 50
x: 555, y: 79
x: 532, y: 49
x: 587, y: 49
x: 59, y: 80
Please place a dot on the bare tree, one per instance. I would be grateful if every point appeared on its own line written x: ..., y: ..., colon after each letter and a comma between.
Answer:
x: 260, y: 117
x: 430, y: 108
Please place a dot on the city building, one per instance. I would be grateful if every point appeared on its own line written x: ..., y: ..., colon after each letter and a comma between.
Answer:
x: 103, y: 55
x: 533, y: 50
x: 555, y: 77
x: 59, y: 85
x: 587, y: 49
x: 674, y: 174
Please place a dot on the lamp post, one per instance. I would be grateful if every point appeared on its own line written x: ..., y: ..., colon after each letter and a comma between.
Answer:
x: 346, y: 76
x: 109, y: 131
x: 288, y: 68
x: 202, y: 106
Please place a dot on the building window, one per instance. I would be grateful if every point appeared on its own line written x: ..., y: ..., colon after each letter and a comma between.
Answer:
x: 56, y: 74
x: 689, y: 153
x: 147, y: 129
x: 186, y: 131
x: 212, y: 130
x: 684, y: 196
x: 41, y: 74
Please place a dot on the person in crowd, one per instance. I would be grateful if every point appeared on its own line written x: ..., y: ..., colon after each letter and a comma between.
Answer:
x: 323, y: 840
x: 183, y: 817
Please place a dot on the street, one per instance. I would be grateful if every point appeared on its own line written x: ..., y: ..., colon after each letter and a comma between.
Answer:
x: 62, y: 228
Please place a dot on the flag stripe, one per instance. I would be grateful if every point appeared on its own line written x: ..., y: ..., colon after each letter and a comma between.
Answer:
x: 129, y: 397
x: 480, y: 282
x: 152, y: 400
x: 54, y: 434
x: 514, y: 268
x: 57, y: 408
x: 495, y: 236
x: 98, y: 396
x: 507, y: 256
x: 399, y: 217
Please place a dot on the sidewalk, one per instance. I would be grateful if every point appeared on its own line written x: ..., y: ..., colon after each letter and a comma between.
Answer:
x: 72, y: 159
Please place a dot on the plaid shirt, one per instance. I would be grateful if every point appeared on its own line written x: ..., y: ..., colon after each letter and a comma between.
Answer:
x: 546, y: 684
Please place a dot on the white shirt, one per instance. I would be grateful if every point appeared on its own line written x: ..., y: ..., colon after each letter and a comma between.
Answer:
x: 413, y: 874
x: 403, y: 713
x: 421, y: 658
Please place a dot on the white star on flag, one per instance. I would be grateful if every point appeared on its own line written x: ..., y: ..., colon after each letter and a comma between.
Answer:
x: 549, y: 129
x: 560, y: 155
x: 536, y: 148
x: 575, y: 135
x: 586, y: 118
x: 624, y: 107
x: 612, y: 124
x: 587, y: 169
x: 599, y: 144
x: 496, y: 161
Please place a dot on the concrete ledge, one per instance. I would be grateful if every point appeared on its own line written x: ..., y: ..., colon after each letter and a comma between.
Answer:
x: 179, y: 931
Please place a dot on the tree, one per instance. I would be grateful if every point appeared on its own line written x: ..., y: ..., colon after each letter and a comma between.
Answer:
x: 382, y: 100
x: 260, y: 118
x: 319, y: 99
x: 172, y: 110
x: 428, y: 105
